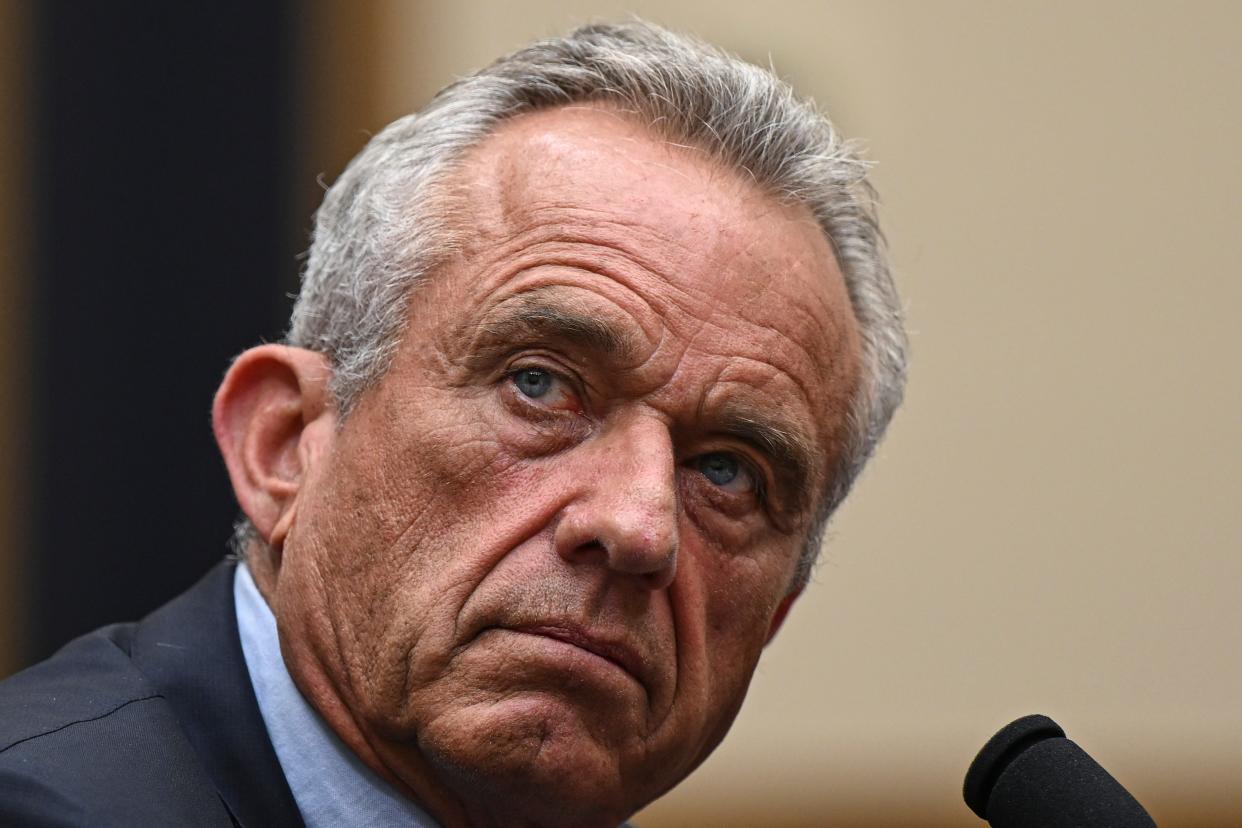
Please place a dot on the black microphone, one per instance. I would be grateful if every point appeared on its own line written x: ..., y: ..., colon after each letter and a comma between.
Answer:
x: 1030, y: 776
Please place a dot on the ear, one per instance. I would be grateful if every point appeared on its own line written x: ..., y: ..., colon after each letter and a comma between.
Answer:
x: 273, y: 419
x: 782, y: 610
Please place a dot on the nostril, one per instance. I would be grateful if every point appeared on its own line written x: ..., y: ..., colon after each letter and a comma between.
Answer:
x: 591, y: 551
x: 663, y: 576
x: 594, y: 545
x: 600, y: 538
x: 654, y: 562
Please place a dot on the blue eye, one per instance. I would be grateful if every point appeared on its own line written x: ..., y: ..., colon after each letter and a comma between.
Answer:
x: 532, y: 382
x: 721, y: 469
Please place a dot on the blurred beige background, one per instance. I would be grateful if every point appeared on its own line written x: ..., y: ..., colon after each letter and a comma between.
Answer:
x: 1053, y: 524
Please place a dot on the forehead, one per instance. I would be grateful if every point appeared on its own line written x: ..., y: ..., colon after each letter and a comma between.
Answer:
x: 713, y: 274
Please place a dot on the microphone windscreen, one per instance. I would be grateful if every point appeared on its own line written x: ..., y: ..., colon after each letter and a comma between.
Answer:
x: 1030, y: 776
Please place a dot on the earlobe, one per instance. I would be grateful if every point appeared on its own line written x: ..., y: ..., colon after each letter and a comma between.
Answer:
x: 782, y: 610
x: 271, y: 417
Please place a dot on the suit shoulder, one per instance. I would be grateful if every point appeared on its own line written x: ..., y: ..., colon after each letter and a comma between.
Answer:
x: 131, y: 766
x: 86, y: 740
x: 87, y: 679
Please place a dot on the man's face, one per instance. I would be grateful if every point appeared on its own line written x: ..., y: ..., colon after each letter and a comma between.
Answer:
x: 535, y: 568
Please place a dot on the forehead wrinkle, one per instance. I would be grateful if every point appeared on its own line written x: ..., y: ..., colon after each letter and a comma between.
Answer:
x: 604, y: 254
x: 542, y: 226
x: 708, y: 328
x: 599, y: 228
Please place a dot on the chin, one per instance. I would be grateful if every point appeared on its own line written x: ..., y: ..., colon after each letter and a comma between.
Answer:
x: 534, y: 761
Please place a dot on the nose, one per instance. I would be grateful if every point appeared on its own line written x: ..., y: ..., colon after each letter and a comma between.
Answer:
x: 625, y: 515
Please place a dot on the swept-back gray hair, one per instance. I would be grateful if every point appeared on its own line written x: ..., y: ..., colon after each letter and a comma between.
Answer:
x: 383, y: 226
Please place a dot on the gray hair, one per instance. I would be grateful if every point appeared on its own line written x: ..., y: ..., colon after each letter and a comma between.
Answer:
x: 385, y: 224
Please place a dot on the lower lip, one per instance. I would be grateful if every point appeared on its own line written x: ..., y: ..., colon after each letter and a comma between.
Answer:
x: 575, y: 653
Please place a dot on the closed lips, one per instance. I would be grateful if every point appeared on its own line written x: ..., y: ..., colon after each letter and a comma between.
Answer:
x: 616, y: 652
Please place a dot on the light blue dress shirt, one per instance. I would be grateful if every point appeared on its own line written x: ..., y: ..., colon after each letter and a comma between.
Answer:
x: 331, y: 785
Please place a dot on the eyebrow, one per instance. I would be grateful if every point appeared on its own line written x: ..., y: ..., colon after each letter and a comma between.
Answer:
x: 535, y: 318
x: 789, y: 449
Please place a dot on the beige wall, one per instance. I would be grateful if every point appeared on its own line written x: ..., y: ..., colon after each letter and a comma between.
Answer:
x: 1053, y: 524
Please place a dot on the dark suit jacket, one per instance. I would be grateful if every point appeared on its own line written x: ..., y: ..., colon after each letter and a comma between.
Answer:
x: 146, y: 724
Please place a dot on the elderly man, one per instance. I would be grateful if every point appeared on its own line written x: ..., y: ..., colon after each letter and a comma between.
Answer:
x: 585, y: 355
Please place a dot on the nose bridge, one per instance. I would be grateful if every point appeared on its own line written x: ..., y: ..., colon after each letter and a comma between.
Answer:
x: 629, y: 505
x: 637, y: 462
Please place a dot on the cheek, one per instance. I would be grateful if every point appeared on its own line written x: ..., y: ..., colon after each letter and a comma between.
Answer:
x: 738, y: 591
x: 418, y: 465
x: 411, y: 513
x: 739, y: 597
x: 722, y: 607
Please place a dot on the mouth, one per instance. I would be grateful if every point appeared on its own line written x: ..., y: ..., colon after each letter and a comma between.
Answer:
x: 618, y: 654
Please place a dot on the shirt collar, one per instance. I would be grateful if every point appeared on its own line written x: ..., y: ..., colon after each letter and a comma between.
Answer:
x: 331, y: 785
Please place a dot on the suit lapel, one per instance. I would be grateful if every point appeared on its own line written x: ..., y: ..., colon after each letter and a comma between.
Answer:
x: 190, y: 650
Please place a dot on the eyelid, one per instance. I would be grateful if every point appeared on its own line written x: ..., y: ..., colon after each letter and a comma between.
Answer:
x: 524, y: 359
x: 759, y: 470
x: 757, y: 476
x: 531, y: 362
x: 746, y: 464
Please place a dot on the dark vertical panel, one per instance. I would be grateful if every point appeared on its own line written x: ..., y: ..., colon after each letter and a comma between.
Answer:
x: 14, y: 233
x: 162, y: 247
